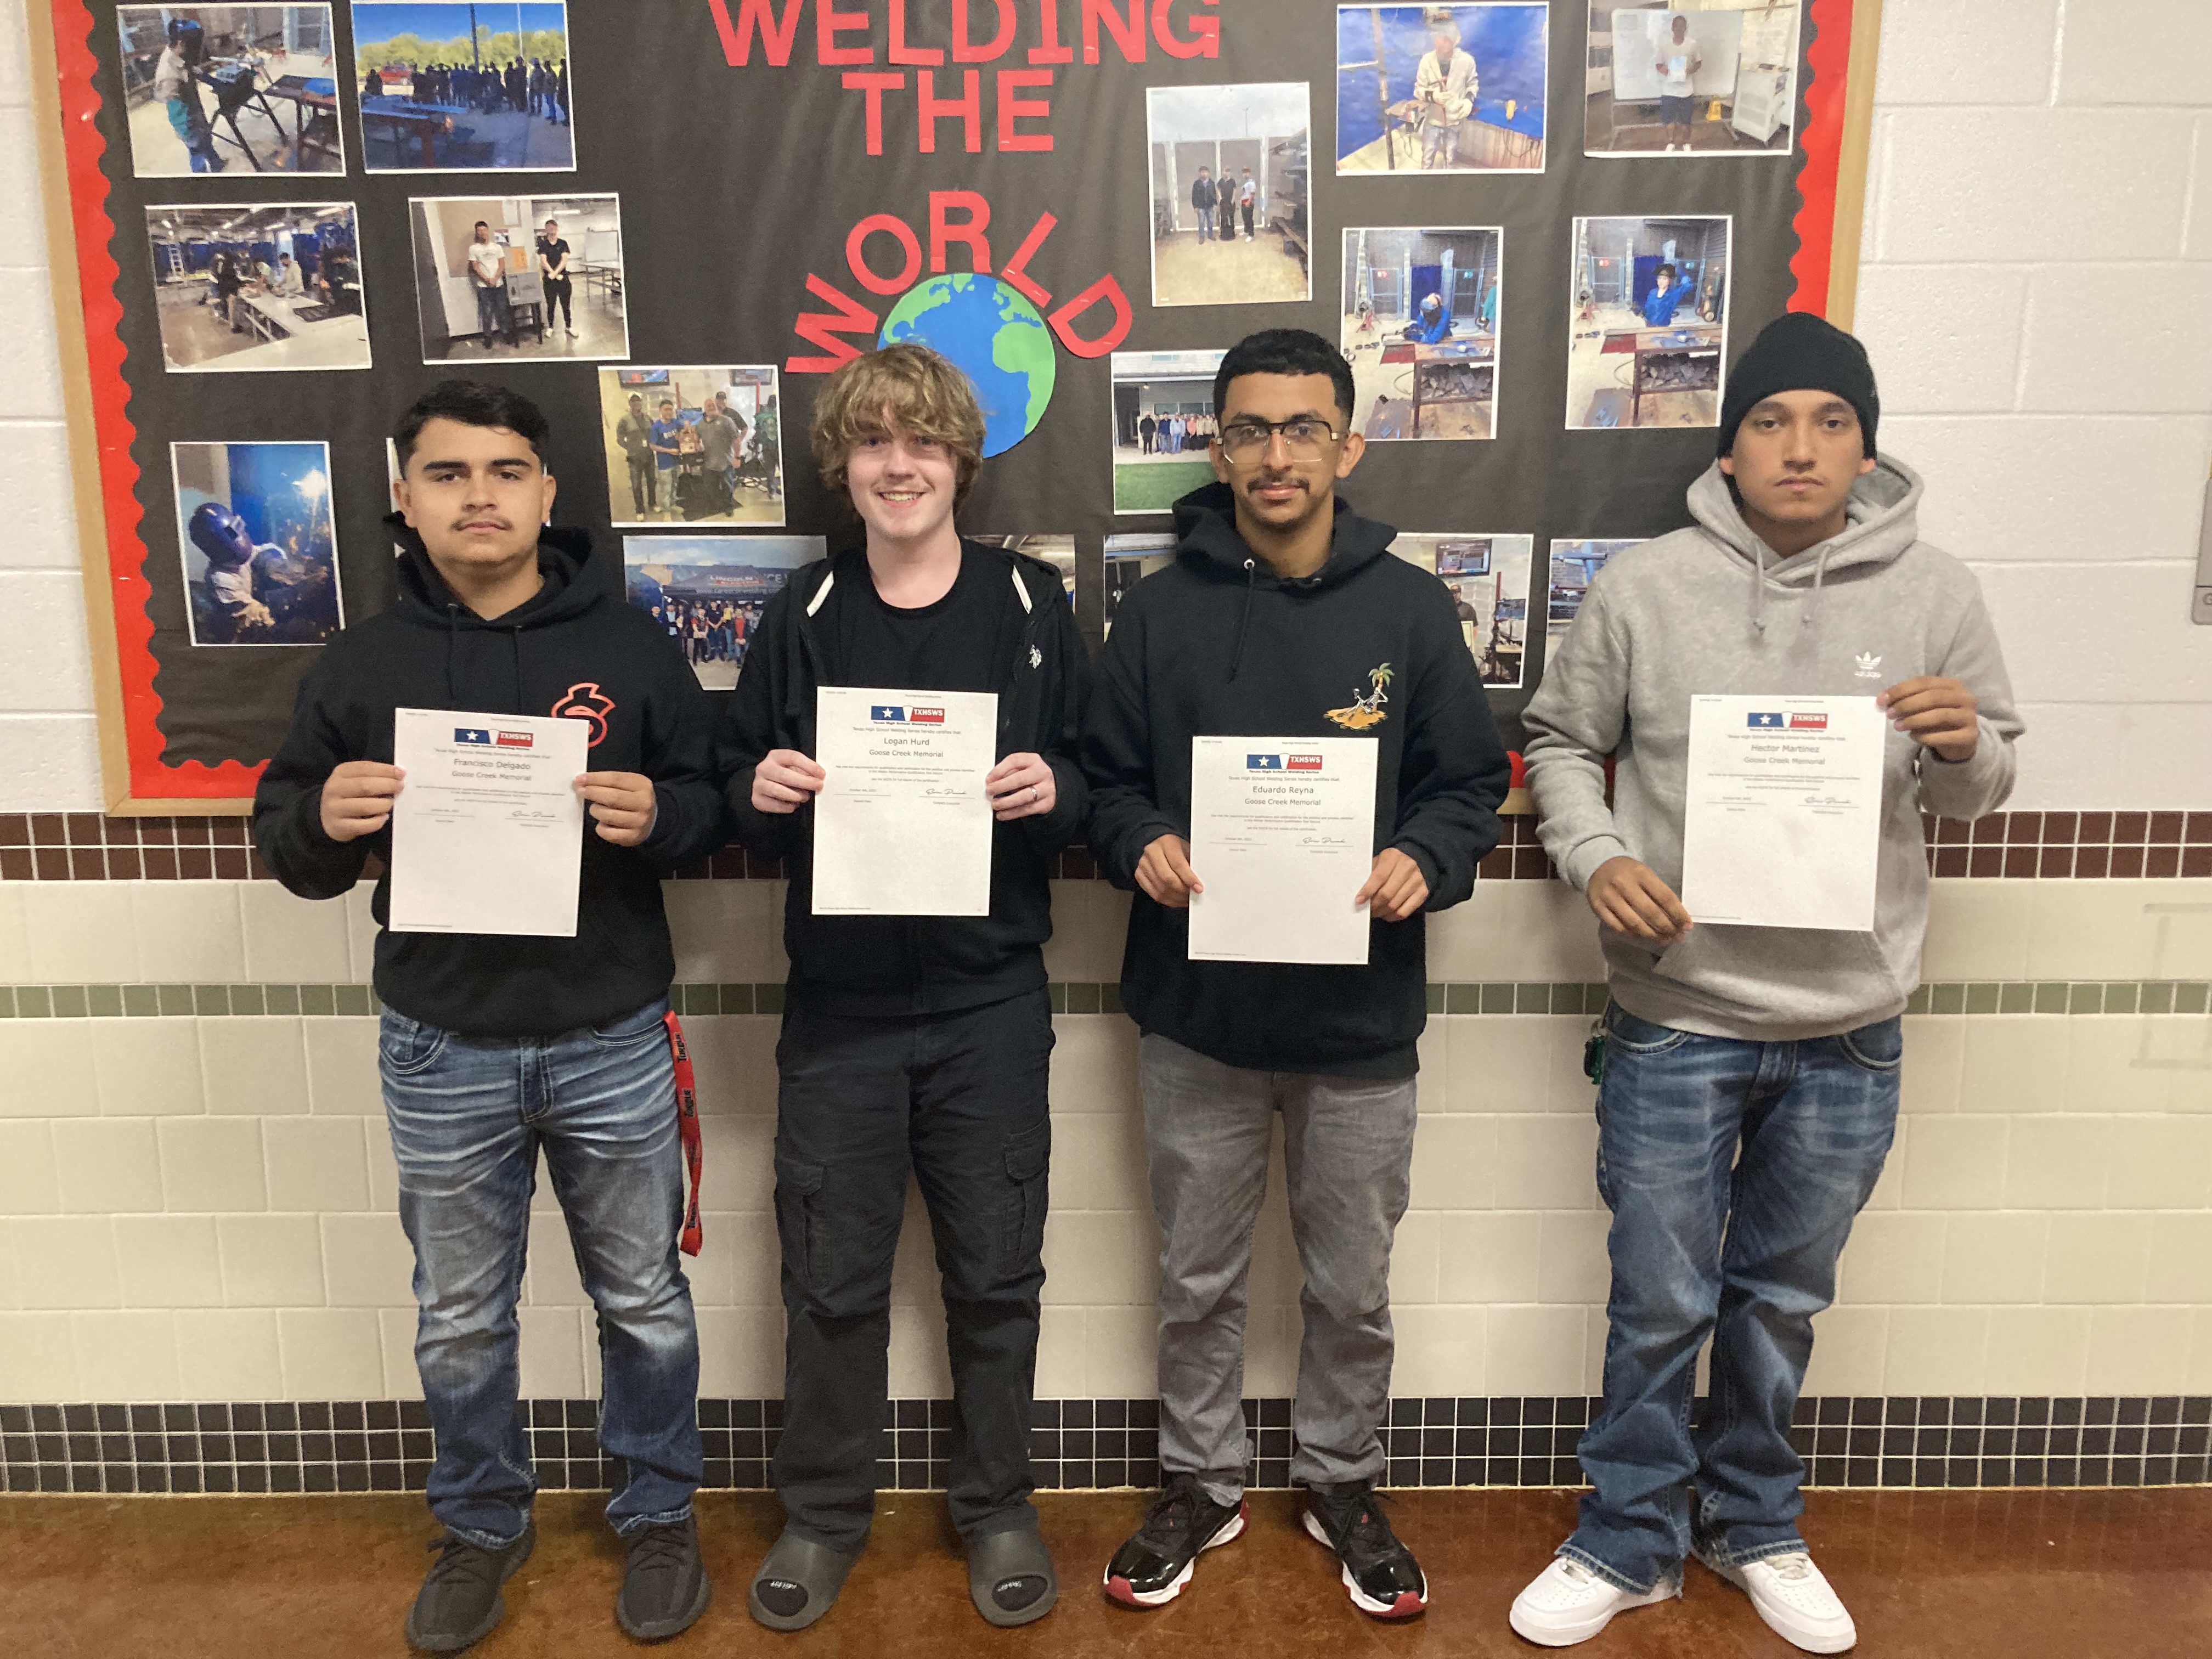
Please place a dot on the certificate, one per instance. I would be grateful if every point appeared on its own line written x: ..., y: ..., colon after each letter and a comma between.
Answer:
x: 1781, y: 823
x: 902, y: 825
x: 487, y: 833
x: 1282, y: 833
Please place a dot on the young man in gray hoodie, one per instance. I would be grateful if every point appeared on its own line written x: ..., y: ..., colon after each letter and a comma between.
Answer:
x: 1748, y: 1082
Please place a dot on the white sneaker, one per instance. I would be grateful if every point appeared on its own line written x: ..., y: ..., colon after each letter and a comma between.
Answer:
x: 1567, y: 1603
x: 1795, y: 1600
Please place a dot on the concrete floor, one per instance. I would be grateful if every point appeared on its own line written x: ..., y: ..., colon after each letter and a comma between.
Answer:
x: 601, y: 327
x: 1188, y: 272
x: 2110, y: 1574
x: 1382, y: 399
x: 156, y: 152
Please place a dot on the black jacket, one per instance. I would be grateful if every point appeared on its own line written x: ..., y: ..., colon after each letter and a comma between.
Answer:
x: 1215, y: 646
x: 880, y: 965
x: 1204, y: 193
x: 573, y: 649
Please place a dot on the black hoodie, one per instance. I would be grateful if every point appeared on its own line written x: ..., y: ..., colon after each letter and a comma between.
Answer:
x: 572, y: 650
x: 903, y: 965
x: 1215, y: 646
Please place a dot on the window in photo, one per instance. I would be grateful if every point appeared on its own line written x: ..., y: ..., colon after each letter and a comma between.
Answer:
x: 1574, y: 566
x: 1163, y: 423
x: 535, y: 277
x: 1488, y: 577
x: 693, y: 446
x: 239, y: 90
x: 1668, y: 77
x: 258, y: 286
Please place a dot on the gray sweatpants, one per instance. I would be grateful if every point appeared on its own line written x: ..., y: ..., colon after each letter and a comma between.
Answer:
x: 1348, y: 1147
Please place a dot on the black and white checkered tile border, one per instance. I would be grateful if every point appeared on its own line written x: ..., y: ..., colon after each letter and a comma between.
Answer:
x: 383, y: 1445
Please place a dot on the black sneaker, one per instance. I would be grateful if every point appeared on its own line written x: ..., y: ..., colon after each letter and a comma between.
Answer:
x: 1380, y: 1573
x: 665, y: 1587
x: 459, y: 1601
x: 1151, y: 1569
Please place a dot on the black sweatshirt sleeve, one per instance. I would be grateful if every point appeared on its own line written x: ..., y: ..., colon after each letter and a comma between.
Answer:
x: 1063, y: 730
x: 1117, y: 755
x: 288, y: 804
x: 749, y: 729
x: 679, y: 758
x: 1454, y: 772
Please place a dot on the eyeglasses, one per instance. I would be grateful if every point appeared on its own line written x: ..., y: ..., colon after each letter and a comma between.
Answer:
x: 1304, y: 437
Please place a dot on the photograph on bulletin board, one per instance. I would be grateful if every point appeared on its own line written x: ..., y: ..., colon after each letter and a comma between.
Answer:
x: 1058, y: 552
x: 258, y: 287
x: 1668, y: 77
x: 708, y: 592
x: 537, y: 278
x: 1574, y: 565
x: 1488, y: 577
x: 463, y: 86
x: 1129, y: 560
x: 259, y: 535
x: 231, y: 89
x: 1433, y: 89
x: 1230, y: 168
x: 1163, y: 422
x: 1420, y: 330
x: 1649, y: 343
x: 693, y: 446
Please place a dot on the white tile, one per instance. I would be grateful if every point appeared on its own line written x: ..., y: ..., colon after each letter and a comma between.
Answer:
x: 1098, y: 1256
x: 2016, y: 1064
x: 2138, y: 1351
x: 28, y: 1184
x: 1498, y: 1063
x: 1271, y: 1352
x: 552, y: 1350
x: 45, y: 667
x: 291, y: 940
x: 2158, y: 364
x: 1947, y: 338
x: 1489, y: 1255
x: 733, y: 1058
x: 2200, y: 198
x: 361, y: 932
x: 330, y: 1353
x: 46, y: 1068
x: 383, y: 1172
x: 2111, y: 1066
x: 1936, y: 1351
x: 79, y: 933
x: 1977, y: 929
x: 315, y: 1163
x: 2133, y: 52
x: 741, y: 1352
x: 1574, y: 1267
x: 396, y: 1330
x: 14, y: 936
x: 2149, y: 737
x: 367, y: 1262
x: 1471, y: 944
x: 254, y: 1064
x: 2092, y: 930
x: 741, y: 1263
x: 64, y: 1261
x: 2038, y: 1351
x: 54, y: 763
x: 1547, y: 1163
x: 38, y: 1359
x: 1442, y: 1351
x: 228, y: 1353
x: 740, y: 1163
x: 38, y: 455
x: 1060, y: 1372
x: 918, y: 1367
x: 2058, y: 1163
x: 2159, y: 1163
x: 341, y: 1067
x: 148, y: 1067
x: 1455, y: 1163
x: 167, y: 1261
x: 1893, y: 1258
x: 1993, y: 1259
x: 1935, y: 1052
x: 2180, y: 1259
x: 1966, y: 51
x: 2098, y: 1258
x: 211, y: 1163
x: 1537, y: 1350
x: 107, y: 1166
x: 721, y: 930
x: 1955, y: 1162
x: 271, y: 1260
x: 1413, y: 1263
x: 1090, y: 925
x: 1094, y: 1065
x: 1098, y: 1163
x: 1848, y: 1347
x: 2200, y: 1351
x: 1121, y: 1352
x: 1555, y: 933
x: 126, y: 1355
x: 188, y: 931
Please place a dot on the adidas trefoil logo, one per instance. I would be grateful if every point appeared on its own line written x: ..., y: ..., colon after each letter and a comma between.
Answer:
x: 1869, y: 665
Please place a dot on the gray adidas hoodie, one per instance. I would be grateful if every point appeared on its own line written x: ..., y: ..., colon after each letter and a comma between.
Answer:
x: 1712, y: 608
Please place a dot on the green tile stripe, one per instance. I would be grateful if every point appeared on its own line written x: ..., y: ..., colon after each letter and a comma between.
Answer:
x: 1976, y: 997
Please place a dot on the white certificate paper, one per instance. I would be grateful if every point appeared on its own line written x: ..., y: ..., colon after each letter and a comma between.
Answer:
x: 1282, y: 833
x: 487, y: 833
x: 1782, y: 821
x: 902, y: 826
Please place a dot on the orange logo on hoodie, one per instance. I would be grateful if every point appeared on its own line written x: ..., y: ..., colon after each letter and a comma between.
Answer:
x: 584, y: 701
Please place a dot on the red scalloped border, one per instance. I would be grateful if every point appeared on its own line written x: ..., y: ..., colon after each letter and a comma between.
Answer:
x: 129, y: 590
x: 1826, y: 96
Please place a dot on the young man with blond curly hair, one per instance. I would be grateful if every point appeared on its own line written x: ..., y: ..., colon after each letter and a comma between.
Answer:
x: 910, y: 1043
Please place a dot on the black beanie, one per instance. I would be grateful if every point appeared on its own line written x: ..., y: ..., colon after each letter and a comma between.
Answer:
x: 1800, y: 352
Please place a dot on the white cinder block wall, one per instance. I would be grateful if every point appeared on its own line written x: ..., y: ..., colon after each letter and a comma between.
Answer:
x: 202, y: 1207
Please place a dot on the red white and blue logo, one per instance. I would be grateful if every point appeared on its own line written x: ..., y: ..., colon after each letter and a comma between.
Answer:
x: 516, y: 740
x: 475, y: 734
x: 887, y: 713
x: 1800, y: 721
x: 1263, y: 762
x: 1764, y: 722
x: 1305, y: 763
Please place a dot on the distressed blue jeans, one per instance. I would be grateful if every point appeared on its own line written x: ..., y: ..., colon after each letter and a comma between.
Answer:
x: 1734, y: 1171
x: 469, y: 1117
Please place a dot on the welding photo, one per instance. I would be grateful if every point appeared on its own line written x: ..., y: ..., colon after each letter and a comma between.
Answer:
x: 1648, y: 341
x: 1574, y: 566
x: 1488, y: 576
x: 230, y: 88
x: 1230, y: 186
x: 467, y: 85
x: 1441, y: 88
x: 258, y: 537
x: 1421, y: 331
x: 708, y: 592
x: 692, y: 445
x: 531, y: 277
x: 258, y: 286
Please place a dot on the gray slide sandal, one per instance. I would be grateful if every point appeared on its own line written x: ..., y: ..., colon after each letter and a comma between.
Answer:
x: 1010, y: 1576
x: 797, y: 1582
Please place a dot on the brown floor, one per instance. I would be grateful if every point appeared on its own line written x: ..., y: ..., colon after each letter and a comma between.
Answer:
x: 2072, y: 1575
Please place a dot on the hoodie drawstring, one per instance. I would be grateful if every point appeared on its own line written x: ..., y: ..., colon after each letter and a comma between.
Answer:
x: 1757, y: 585
x: 1245, y: 615
x: 1820, y: 576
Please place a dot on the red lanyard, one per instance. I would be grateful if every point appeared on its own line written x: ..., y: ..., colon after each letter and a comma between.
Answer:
x: 687, y: 1125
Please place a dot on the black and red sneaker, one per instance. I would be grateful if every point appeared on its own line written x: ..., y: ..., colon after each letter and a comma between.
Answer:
x: 1380, y: 1573
x: 1151, y: 1569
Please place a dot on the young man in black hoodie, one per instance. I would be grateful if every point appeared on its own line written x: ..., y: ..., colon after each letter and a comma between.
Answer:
x: 916, y: 1044
x: 1282, y: 616
x: 494, y: 1048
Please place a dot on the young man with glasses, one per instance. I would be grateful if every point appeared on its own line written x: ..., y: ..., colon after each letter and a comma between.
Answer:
x: 1283, y: 615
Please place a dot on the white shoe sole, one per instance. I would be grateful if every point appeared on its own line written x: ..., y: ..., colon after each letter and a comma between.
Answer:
x: 1167, y: 1593
x: 1804, y: 1638
x: 1360, y: 1599
x: 1563, y: 1635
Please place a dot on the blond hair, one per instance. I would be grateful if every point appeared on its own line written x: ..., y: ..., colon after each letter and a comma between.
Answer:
x: 909, y: 386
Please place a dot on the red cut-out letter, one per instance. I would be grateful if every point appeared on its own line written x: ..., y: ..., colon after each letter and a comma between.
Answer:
x: 1047, y: 49
x: 1203, y: 41
x: 829, y: 24
x: 943, y: 229
x: 821, y: 328
x: 1128, y: 32
x: 965, y: 49
x: 1015, y: 272
x: 1063, y: 320
x: 1012, y: 108
x: 891, y: 225
x: 903, y: 53
x: 875, y: 83
x: 969, y: 107
x: 756, y: 16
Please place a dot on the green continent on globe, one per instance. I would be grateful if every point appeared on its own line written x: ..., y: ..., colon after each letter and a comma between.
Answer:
x: 997, y: 339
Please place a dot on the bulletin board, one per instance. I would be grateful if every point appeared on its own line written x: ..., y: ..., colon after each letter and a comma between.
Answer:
x: 771, y: 184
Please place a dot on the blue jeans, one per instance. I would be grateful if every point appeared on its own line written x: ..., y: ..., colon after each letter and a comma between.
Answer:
x: 1746, y: 1255
x: 1205, y: 224
x: 492, y: 314
x: 469, y: 1117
